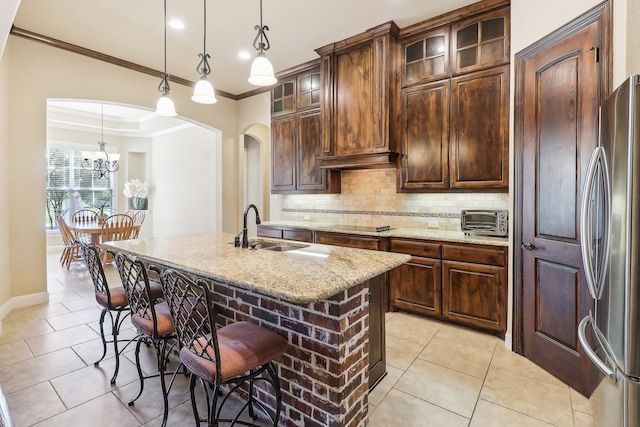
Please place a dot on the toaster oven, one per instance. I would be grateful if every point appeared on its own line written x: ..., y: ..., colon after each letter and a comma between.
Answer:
x: 487, y: 222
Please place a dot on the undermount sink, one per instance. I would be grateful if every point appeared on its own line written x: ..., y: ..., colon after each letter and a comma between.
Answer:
x: 275, y: 247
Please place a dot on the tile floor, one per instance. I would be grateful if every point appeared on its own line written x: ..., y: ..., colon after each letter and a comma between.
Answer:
x: 438, y: 374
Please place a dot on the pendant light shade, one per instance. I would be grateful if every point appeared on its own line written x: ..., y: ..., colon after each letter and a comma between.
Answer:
x: 261, y: 69
x: 165, y: 105
x: 203, y: 92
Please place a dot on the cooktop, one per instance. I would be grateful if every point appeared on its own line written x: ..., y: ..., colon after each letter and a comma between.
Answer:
x: 366, y: 228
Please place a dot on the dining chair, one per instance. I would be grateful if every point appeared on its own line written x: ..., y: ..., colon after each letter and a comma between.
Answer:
x: 84, y: 215
x: 152, y: 319
x: 138, y: 219
x: 116, y: 227
x: 232, y: 356
x: 112, y: 300
x: 70, y: 253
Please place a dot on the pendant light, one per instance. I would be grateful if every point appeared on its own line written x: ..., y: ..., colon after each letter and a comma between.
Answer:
x: 203, y: 92
x: 165, y: 105
x: 261, y: 69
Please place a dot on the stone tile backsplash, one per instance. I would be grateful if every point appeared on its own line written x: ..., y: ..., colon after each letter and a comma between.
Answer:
x: 369, y: 198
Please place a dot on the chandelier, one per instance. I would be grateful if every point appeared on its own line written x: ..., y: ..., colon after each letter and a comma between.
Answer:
x: 99, y: 161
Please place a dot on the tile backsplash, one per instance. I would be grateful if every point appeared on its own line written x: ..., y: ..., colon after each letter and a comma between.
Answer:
x: 369, y: 198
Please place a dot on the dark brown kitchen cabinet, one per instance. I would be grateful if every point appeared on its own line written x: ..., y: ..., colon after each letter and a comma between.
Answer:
x: 287, y: 233
x: 474, y: 286
x: 297, y: 136
x: 479, y: 133
x: 481, y: 42
x: 360, y: 104
x: 283, y: 154
x: 424, y: 163
x: 416, y: 286
x: 349, y: 240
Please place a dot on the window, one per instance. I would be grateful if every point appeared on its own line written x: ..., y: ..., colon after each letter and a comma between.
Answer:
x: 70, y: 188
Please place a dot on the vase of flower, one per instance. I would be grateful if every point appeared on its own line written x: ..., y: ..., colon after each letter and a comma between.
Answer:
x: 139, y: 203
x: 137, y: 191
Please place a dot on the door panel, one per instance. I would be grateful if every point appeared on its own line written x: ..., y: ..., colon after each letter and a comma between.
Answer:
x: 560, y: 99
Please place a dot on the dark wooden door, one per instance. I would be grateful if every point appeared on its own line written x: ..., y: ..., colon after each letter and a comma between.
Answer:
x: 561, y: 89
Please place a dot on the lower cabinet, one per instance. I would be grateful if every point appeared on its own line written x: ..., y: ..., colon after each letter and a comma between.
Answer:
x: 462, y: 283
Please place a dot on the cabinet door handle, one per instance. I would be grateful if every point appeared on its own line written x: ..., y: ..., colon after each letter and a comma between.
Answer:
x: 528, y: 246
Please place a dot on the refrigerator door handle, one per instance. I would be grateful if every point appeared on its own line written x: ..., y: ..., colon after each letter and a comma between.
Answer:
x: 595, y: 252
x: 582, y: 337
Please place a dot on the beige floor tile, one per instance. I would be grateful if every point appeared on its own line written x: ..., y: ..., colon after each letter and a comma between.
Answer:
x: 81, y: 304
x: 42, y: 403
x: 401, y: 353
x: 75, y: 318
x: 43, y: 368
x: 34, y: 312
x: 14, y: 352
x: 580, y: 403
x: 459, y: 357
x: 488, y: 414
x: 18, y: 332
x: 468, y: 337
x: 383, y: 387
x: 401, y: 409
x: 529, y: 396
x: 506, y: 359
x: 412, y: 328
x: 105, y: 410
x: 78, y: 387
x: 61, y: 339
x: 580, y: 419
x: 64, y: 297
x: 444, y: 387
x: 180, y: 416
x: 389, y: 315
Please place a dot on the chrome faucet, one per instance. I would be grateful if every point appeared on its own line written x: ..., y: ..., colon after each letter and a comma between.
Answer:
x: 245, y: 237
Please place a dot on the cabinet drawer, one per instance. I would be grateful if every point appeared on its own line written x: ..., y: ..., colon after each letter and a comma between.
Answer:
x: 348, y: 240
x: 299, y: 235
x: 475, y: 254
x: 416, y: 248
x: 276, y: 233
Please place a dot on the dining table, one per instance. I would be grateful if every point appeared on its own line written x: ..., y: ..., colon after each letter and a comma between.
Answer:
x: 91, y: 228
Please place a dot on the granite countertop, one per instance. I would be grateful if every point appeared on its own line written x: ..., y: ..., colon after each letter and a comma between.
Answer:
x: 312, y: 273
x: 409, y: 233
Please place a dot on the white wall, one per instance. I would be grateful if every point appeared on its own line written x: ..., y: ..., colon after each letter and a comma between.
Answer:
x: 185, y: 182
x: 33, y: 72
x: 5, y: 241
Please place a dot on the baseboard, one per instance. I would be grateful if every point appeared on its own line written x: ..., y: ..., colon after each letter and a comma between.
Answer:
x: 508, y: 341
x: 22, y: 301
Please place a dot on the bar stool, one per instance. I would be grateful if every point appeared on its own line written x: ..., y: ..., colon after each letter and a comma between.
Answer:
x: 151, y: 318
x: 233, y: 355
x: 113, y: 300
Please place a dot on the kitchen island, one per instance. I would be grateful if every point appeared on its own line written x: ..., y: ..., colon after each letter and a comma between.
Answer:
x: 317, y: 296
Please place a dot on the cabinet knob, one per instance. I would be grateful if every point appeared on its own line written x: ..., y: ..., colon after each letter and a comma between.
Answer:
x: 528, y: 246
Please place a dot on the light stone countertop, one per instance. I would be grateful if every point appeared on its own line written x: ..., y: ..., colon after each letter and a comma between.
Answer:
x: 409, y: 233
x: 312, y: 273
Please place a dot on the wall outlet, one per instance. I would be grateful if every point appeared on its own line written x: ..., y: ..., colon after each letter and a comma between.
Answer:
x: 433, y: 224
x: 306, y: 217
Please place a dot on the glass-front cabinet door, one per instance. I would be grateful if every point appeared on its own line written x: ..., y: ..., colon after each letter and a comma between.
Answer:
x: 481, y: 42
x: 283, y: 98
x: 426, y: 58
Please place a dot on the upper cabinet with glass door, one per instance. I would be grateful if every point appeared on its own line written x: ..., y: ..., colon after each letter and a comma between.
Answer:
x: 425, y: 57
x: 283, y: 97
x: 480, y: 42
x: 309, y: 88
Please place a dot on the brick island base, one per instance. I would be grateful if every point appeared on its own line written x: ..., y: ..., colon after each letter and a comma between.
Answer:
x: 324, y: 375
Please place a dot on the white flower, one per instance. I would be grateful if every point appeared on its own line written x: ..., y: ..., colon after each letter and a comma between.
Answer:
x: 136, y: 188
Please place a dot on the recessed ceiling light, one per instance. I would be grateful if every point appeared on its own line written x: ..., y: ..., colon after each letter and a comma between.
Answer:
x: 177, y: 24
x: 244, y: 55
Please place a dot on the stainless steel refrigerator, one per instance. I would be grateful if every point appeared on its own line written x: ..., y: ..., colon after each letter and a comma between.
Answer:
x: 610, y: 226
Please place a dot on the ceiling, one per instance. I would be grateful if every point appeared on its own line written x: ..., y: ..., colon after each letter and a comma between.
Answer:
x: 133, y: 30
